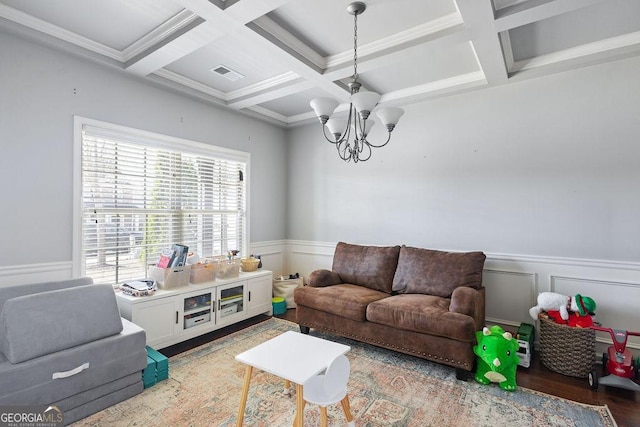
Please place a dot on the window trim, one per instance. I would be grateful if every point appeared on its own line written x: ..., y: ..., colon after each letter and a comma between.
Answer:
x: 154, y: 140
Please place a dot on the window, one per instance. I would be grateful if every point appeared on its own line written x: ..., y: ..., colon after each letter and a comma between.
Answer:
x: 138, y: 193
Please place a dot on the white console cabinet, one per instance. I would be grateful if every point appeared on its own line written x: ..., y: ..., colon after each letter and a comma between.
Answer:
x: 173, y: 315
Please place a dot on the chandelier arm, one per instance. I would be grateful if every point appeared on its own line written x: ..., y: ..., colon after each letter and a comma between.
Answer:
x: 324, y: 132
x: 382, y: 145
x: 364, y: 159
x: 347, y: 130
x: 358, y: 126
x: 342, y: 148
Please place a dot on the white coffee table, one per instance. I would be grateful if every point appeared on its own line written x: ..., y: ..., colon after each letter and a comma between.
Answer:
x: 293, y: 356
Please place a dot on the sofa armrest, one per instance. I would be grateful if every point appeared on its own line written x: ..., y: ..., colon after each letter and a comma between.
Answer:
x: 322, y: 278
x: 469, y: 301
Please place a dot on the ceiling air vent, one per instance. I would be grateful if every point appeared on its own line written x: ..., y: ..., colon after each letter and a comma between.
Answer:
x: 227, y: 72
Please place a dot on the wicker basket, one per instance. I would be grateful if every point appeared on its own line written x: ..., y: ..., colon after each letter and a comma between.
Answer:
x: 567, y: 350
x: 249, y: 264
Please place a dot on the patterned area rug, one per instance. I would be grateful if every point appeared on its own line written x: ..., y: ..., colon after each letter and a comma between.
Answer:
x: 385, y: 389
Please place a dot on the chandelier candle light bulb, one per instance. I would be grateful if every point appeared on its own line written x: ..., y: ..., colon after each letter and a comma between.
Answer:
x: 360, y: 108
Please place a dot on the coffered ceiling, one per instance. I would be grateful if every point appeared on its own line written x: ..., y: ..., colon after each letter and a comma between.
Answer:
x: 282, y: 53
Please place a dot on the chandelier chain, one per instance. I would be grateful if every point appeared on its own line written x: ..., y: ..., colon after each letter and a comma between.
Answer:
x: 355, y: 47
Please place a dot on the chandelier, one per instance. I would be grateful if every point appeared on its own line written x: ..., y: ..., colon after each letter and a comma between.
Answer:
x: 360, y: 108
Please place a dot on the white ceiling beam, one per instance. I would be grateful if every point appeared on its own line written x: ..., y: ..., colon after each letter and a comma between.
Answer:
x: 536, y: 10
x: 175, y: 49
x: 270, y: 95
x: 236, y: 15
x: 248, y: 10
x: 373, y: 58
x: 479, y: 20
x: 284, y: 38
x: 238, y: 29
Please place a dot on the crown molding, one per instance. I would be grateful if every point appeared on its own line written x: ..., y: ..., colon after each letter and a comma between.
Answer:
x: 263, y: 85
x: 184, y: 81
x: 160, y: 33
x: 599, y: 47
x: 60, y: 33
x: 272, y: 114
x: 463, y: 81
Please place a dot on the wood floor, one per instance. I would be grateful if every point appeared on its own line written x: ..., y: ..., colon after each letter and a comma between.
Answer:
x: 623, y: 404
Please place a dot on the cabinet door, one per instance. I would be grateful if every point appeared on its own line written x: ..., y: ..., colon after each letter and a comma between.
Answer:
x: 260, y: 294
x: 232, y: 303
x: 158, y: 318
x: 196, y: 309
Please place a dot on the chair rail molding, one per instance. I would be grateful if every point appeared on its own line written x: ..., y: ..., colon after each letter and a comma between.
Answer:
x: 512, y: 281
x: 32, y: 273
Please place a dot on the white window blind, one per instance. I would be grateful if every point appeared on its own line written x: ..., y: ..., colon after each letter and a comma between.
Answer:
x: 140, y: 196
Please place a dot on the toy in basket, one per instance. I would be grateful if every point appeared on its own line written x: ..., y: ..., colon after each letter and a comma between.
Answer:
x: 617, y: 362
x: 563, y: 303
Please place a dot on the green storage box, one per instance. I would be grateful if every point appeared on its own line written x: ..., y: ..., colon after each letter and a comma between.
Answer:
x: 149, y: 373
x: 157, y: 368
x: 162, y: 363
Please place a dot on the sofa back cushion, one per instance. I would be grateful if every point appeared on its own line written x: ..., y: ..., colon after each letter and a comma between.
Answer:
x: 431, y: 272
x: 34, y: 288
x: 370, y: 266
x: 43, y: 323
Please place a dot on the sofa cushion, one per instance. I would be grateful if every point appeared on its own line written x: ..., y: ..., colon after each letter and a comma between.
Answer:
x: 35, y: 288
x: 425, y: 314
x: 431, y: 272
x: 43, y: 323
x: 344, y: 300
x: 370, y: 266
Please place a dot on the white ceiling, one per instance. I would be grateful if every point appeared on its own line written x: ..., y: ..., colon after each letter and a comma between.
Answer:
x: 290, y: 51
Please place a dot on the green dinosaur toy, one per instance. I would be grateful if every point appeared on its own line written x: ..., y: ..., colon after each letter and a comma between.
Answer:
x: 497, y: 353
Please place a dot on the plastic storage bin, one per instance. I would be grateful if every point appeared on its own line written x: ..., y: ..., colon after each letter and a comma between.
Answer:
x: 168, y: 278
x: 201, y: 273
x: 228, y: 269
x: 279, y: 305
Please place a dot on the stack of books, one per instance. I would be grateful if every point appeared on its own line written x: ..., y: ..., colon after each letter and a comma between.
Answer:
x: 174, y: 257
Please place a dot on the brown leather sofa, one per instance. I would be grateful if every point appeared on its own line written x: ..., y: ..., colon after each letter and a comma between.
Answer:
x: 422, y: 302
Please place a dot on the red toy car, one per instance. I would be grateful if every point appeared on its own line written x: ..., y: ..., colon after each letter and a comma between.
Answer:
x: 617, y: 362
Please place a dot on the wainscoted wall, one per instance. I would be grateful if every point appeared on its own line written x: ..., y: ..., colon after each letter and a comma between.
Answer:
x: 513, y: 282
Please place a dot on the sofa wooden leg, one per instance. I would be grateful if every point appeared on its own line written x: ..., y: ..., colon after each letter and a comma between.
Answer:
x: 463, y: 375
x: 304, y: 329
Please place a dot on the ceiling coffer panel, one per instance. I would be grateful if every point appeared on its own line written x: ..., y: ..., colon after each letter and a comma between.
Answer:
x: 289, y: 52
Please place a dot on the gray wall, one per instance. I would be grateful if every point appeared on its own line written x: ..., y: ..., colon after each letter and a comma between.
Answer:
x: 545, y: 167
x: 42, y: 89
